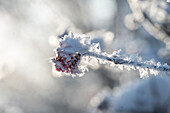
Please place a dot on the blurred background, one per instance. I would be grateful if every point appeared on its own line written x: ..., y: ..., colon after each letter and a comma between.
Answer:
x: 30, y: 30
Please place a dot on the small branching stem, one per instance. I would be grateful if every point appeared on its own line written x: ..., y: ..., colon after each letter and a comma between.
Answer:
x: 135, y: 64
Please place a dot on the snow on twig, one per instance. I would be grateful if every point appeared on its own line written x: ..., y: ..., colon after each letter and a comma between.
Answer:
x: 75, y: 52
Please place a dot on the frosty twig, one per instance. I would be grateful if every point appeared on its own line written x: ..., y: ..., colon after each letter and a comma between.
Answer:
x: 118, y: 60
x: 75, y: 52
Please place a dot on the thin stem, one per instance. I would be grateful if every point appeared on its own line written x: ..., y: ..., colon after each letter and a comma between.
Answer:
x: 135, y: 64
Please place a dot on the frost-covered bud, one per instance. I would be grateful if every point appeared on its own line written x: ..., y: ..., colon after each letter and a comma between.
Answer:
x: 67, y: 62
x: 69, y: 53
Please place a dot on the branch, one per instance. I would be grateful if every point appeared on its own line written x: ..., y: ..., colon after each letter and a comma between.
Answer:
x: 75, y: 52
x: 118, y: 60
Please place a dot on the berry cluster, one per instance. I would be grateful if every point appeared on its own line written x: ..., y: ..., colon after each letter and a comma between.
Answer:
x: 67, y: 62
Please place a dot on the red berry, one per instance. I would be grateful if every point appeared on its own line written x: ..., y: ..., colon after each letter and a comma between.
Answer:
x: 65, y: 65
